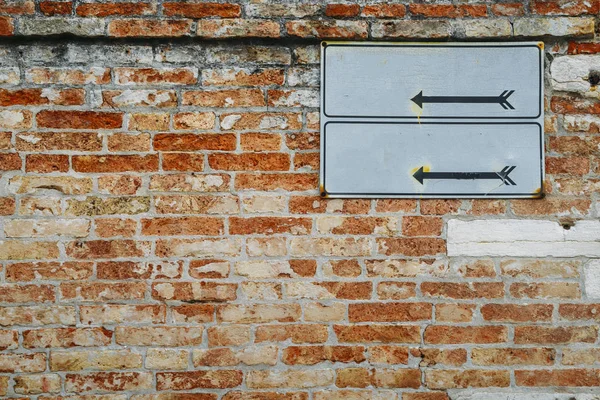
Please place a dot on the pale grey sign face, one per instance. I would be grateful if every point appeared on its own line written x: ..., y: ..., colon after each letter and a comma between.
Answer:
x: 432, y: 120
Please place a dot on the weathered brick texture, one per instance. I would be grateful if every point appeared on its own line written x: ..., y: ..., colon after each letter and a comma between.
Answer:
x: 162, y: 235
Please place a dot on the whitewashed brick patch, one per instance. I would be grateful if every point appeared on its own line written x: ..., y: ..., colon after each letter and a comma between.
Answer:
x: 523, y: 238
x: 591, y: 272
x: 524, y: 396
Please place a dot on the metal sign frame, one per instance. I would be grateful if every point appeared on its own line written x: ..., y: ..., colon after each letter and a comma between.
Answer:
x: 533, y: 117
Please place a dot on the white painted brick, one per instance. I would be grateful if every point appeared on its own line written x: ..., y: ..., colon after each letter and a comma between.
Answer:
x: 522, y: 238
x: 591, y: 273
x: 523, y: 396
x: 570, y: 73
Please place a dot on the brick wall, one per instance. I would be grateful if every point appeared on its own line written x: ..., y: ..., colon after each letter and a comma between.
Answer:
x: 162, y: 237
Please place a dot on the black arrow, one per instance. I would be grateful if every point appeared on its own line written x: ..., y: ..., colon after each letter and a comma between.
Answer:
x: 502, y: 99
x: 421, y: 175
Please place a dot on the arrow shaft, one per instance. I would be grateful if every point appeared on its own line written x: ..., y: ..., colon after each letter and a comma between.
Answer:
x: 461, y: 175
x: 461, y: 99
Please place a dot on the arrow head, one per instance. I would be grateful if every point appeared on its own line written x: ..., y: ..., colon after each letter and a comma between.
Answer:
x: 418, y: 99
x: 419, y: 175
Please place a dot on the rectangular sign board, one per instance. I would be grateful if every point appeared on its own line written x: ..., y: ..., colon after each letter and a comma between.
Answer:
x: 432, y: 120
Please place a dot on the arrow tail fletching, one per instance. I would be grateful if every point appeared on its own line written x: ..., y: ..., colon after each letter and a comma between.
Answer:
x: 502, y: 99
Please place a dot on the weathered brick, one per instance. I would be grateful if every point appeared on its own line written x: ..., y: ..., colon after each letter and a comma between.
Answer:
x: 194, y: 291
x: 389, y: 312
x: 149, y: 28
x: 122, y: 314
x: 473, y: 334
x: 37, y: 315
x: 66, y: 337
x: 514, y: 356
x: 295, y: 333
x: 216, y: 379
x: 451, y: 379
x: 12, y: 363
x: 234, y: 28
x: 84, y: 291
x: 108, y: 9
x: 377, y: 333
x: 202, y: 10
x: 558, y: 377
x: 194, y: 142
x: 327, y: 29
x: 555, y: 335
x: 108, y: 381
x: 94, y: 360
x: 36, y: 384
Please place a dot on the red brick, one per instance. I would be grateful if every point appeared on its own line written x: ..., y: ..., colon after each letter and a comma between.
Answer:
x: 422, y: 226
x: 377, y: 333
x: 558, y: 377
x: 466, y: 378
x: 425, y: 396
x: 567, y: 165
x: 250, y: 162
x: 583, y: 48
x: 10, y: 162
x: 574, y: 312
x: 440, y: 207
x: 550, y: 206
x: 108, y: 9
x: 294, y: 333
x: 561, y: 7
x: 516, y: 312
x: 149, y: 28
x: 100, y: 249
x: 284, y: 181
x: 182, y: 226
x: 79, y: 120
x: 115, y: 163
x: 340, y: 10
x: 224, y: 98
x: 202, y: 10
x: 6, y: 26
x: 434, y: 10
x: 311, y: 355
x: 269, y: 225
x: 416, y: 247
x: 56, y: 7
x: 183, y: 162
x: 7, y: 206
x: 574, y: 105
x: 34, y: 97
x: 555, y: 335
x: 260, y: 141
x: 194, y: 142
x: 46, y: 163
x: 389, y: 312
x: 193, y: 313
x: 438, y: 334
x: 11, y: 293
x: 384, y: 10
